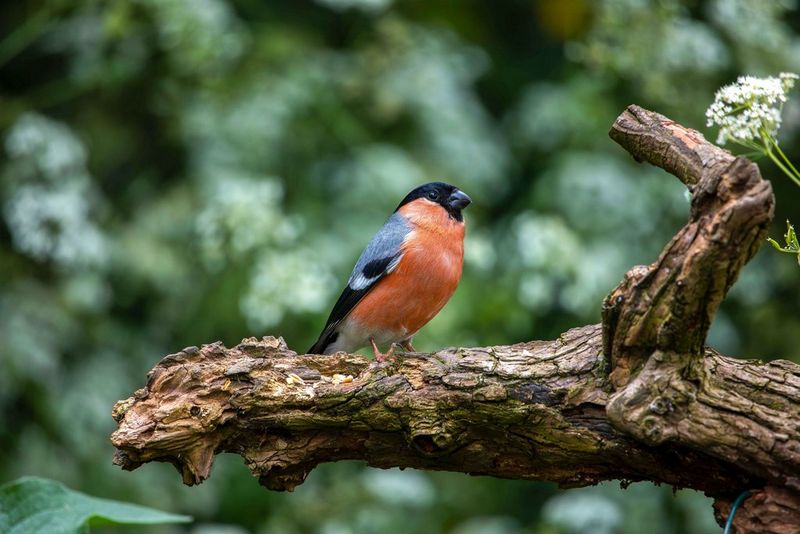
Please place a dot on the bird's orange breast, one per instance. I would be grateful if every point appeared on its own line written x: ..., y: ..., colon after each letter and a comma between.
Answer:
x: 424, y: 280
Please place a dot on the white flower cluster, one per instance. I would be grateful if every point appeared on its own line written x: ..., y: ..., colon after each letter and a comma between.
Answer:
x: 242, y: 213
x: 290, y: 281
x: 749, y: 110
x: 51, y: 201
x: 54, y: 223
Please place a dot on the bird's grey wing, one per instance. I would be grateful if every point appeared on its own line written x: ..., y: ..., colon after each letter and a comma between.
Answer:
x: 380, y: 257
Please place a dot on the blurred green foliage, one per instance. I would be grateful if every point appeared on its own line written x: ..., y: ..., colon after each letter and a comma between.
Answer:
x: 34, y: 505
x: 179, y: 172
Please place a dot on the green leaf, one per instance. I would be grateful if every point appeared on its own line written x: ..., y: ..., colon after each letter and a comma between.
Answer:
x: 791, y: 237
x: 775, y: 244
x: 792, y: 244
x: 32, y: 505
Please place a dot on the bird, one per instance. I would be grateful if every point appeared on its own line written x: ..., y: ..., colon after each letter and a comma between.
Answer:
x: 404, y: 277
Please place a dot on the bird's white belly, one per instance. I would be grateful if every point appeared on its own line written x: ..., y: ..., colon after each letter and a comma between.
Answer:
x: 353, y: 336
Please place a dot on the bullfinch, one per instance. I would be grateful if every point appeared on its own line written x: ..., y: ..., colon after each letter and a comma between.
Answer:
x: 407, y: 273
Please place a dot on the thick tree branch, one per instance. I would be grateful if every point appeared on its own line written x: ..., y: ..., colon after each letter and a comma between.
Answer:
x: 532, y: 410
x: 669, y: 305
x: 637, y: 398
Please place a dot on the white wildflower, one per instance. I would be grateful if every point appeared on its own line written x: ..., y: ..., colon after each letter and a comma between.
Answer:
x: 242, y: 213
x: 748, y: 112
x: 54, y: 223
x: 286, y: 281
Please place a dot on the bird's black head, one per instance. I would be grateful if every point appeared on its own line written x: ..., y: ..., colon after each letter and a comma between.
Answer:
x: 447, y: 196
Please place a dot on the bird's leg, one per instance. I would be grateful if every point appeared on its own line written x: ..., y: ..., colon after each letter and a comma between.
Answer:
x: 377, y: 353
x: 375, y: 350
x: 407, y: 346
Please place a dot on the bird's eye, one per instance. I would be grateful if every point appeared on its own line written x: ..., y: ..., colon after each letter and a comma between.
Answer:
x: 433, y: 195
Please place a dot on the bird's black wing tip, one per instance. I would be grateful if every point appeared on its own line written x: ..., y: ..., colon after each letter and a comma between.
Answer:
x: 316, y: 348
x: 325, y: 339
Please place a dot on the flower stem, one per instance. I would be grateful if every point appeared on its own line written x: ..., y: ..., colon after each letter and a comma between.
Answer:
x: 786, y: 160
x: 781, y: 166
x: 781, y: 162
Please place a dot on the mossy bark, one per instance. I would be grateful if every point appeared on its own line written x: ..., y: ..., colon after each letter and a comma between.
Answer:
x: 636, y: 398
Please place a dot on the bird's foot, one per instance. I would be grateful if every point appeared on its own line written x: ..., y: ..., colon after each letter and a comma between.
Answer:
x: 379, y: 356
x: 407, y: 346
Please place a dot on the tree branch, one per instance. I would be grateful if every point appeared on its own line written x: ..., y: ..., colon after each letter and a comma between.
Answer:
x: 636, y: 398
x: 669, y: 305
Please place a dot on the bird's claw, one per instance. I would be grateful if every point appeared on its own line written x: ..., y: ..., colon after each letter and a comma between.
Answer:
x: 379, y: 356
x: 407, y: 346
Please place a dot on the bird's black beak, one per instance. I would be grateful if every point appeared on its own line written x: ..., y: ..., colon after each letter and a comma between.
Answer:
x: 458, y: 200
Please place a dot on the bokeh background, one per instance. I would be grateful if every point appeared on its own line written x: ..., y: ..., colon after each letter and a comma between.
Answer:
x: 174, y: 172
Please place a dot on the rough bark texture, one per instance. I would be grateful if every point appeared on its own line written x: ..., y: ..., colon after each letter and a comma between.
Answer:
x: 668, y: 305
x: 636, y: 398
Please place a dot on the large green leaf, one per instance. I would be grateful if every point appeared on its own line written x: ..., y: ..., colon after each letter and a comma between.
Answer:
x: 33, y: 505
